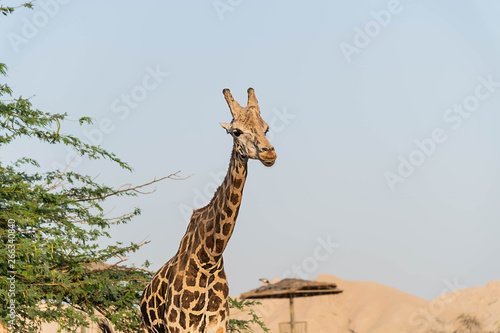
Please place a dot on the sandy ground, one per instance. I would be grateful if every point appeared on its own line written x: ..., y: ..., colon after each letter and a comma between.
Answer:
x: 369, y: 307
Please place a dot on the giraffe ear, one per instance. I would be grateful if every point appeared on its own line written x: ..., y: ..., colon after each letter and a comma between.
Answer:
x: 226, y: 126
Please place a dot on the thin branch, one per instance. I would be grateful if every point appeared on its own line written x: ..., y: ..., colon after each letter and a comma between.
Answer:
x: 59, y: 182
x: 4, y: 9
x: 50, y: 284
x: 173, y: 176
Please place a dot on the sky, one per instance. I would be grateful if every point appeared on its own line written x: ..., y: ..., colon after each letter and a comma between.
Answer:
x: 384, y: 116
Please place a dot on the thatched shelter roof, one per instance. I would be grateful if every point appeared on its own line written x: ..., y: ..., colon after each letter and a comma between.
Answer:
x: 292, y: 288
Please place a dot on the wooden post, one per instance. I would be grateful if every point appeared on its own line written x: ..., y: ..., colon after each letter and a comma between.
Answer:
x: 292, y: 315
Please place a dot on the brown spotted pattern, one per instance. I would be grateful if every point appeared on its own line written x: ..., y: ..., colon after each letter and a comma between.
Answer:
x: 190, y: 292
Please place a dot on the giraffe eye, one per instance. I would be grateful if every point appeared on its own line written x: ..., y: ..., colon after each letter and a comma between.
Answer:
x: 267, y: 131
x: 237, y: 132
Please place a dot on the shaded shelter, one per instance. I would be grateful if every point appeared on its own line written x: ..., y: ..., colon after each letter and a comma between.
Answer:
x: 291, y: 289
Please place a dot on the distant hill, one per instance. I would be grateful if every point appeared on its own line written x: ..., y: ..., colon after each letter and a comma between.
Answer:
x: 369, y: 307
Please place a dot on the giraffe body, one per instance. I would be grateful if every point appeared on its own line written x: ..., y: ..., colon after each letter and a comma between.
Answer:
x: 190, y: 292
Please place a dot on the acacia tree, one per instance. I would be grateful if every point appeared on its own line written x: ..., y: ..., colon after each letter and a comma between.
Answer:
x: 53, y: 268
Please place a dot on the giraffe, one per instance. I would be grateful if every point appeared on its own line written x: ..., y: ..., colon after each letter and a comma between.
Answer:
x: 190, y: 292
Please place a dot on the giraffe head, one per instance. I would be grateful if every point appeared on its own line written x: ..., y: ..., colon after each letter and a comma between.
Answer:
x: 249, y: 130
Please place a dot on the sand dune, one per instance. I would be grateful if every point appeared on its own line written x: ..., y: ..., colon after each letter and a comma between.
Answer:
x: 369, y: 307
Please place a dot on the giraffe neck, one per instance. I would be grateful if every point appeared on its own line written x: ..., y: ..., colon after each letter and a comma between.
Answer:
x: 213, y: 225
x: 226, y: 204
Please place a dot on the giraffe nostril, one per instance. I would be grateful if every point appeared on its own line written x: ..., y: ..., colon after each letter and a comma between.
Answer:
x: 266, y: 149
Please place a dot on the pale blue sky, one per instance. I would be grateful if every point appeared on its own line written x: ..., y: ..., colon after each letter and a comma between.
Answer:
x: 340, y: 123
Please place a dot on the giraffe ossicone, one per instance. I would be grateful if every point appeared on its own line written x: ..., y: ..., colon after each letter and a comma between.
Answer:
x: 190, y: 292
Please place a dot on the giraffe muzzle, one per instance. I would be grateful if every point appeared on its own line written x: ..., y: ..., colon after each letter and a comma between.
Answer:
x: 267, y: 156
